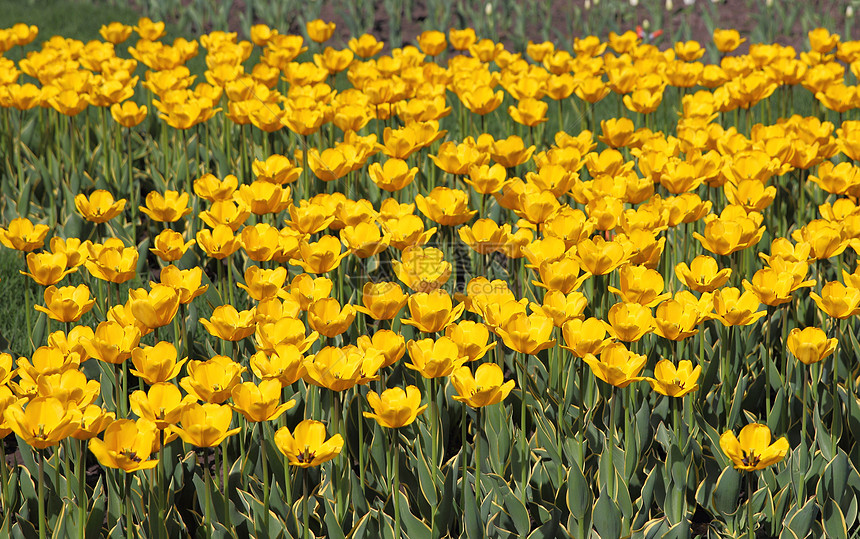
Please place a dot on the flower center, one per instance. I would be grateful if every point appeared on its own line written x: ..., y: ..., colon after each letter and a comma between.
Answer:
x: 750, y: 459
x: 306, y: 456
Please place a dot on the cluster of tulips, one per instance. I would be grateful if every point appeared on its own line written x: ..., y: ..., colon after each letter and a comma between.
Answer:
x: 279, y: 201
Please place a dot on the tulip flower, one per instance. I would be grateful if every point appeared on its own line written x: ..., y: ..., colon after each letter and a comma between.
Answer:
x: 229, y: 324
x: 584, y: 337
x: 640, y: 285
x: 212, y: 189
x: 527, y: 334
x: 127, y: 445
x: 100, y: 207
x: 432, y: 311
x: 392, y: 175
x: 752, y: 449
x: 73, y: 343
x: 112, y: 262
x: 263, y: 283
x: 94, y: 419
x: 212, y: 381
x: 329, y: 318
x: 162, y: 404
x: 67, y: 303
x: 170, y: 246
x: 46, y: 360
x: 219, y: 242
x: 617, y: 365
x: 391, y: 345
x: 167, y: 208
x: 702, y: 275
x: 155, y: 308
x: 268, y: 335
x: 339, y: 369
x: 205, y: 425
x: 364, y: 239
x: 71, y: 387
x: 155, y: 364
x: 471, y: 338
x: 307, y: 446
x: 285, y: 364
x: 23, y: 235
x: 486, y: 387
x: 320, y: 257
x: 448, y: 207
x: 422, y: 269
x: 676, y: 320
x: 434, y: 358
x: 629, y: 322
x: 128, y: 114
x: 259, y: 402
x: 836, y: 299
x: 112, y: 342
x: 43, y: 422
x: 736, y: 309
x: 47, y: 269
x: 319, y: 30
x: 382, y: 301
x: 185, y: 282
x: 672, y: 381
x: 598, y: 256
x: 395, y: 408
x: 810, y: 345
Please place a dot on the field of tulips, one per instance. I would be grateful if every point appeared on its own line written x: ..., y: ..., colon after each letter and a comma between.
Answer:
x: 445, y: 290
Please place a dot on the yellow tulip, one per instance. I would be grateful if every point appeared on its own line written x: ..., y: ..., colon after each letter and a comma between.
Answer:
x: 486, y: 387
x: 306, y: 446
x: 395, y: 408
x: 752, y: 450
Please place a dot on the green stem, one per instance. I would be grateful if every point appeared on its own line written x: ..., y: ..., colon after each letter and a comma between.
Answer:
x: 477, y: 442
x: 27, y: 316
x: 129, y: 524
x: 767, y: 360
x: 395, y: 489
x: 750, y: 524
x: 610, y: 442
x: 207, y: 511
x: 265, y: 475
x: 43, y: 525
x: 305, y: 515
x: 464, y: 471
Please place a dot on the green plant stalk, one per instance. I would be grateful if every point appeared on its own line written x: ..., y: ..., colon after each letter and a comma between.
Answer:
x: 305, y: 515
x: 434, y: 417
x: 835, y: 387
x: 29, y: 307
x: 129, y: 524
x: 395, y: 487
x: 806, y: 383
x: 265, y: 475
x: 767, y: 360
x: 118, y: 390
x: 360, y: 440
x: 524, y: 449
x: 207, y: 511
x: 463, y: 458
x: 4, y: 477
x: 477, y: 442
x: 67, y: 466
x: 131, y: 187
x: 610, y: 442
x: 750, y: 524
x: 43, y: 524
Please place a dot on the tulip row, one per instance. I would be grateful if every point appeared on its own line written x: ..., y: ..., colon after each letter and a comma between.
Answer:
x: 638, y: 256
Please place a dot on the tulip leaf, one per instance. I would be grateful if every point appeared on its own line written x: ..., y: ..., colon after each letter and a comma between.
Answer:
x: 425, y: 477
x: 24, y: 530
x: 801, y: 522
x: 333, y: 527
x: 833, y: 520
x: 607, y: 516
x: 727, y: 491
x: 579, y: 495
